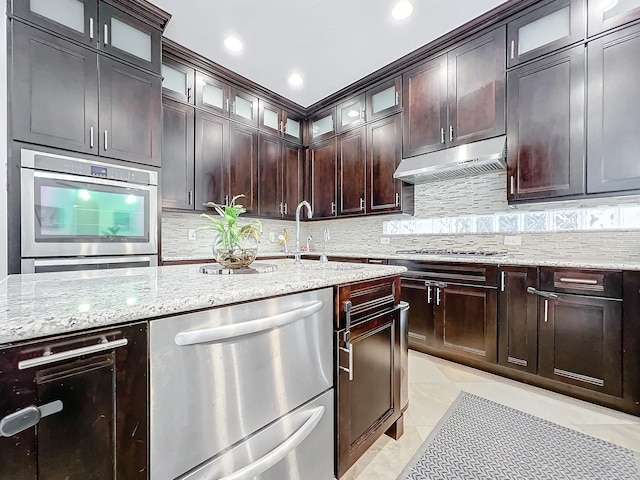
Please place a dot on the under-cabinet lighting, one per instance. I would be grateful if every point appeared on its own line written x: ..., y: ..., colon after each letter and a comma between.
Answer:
x: 233, y: 43
x: 295, y: 79
x: 403, y: 9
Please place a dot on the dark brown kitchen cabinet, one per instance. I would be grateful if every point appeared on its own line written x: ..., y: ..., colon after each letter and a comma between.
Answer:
x: 367, y: 366
x: 350, y: 113
x: 613, y: 116
x: 421, y: 320
x: 279, y: 177
x: 277, y: 121
x: 322, y: 126
x: 224, y: 99
x: 211, y: 160
x: 607, y: 14
x: 178, y: 158
x: 55, y: 84
x: 384, y: 99
x: 178, y: 81
x: 244, y: 107
x: 322, y: 181
x: 130, y: 113
x: 96, y: 397
x: 425, y: 107
x: 544, y: 30
x: 545, y: 127
x: 243, y: 165
x: 351, y: 171
x: 518, y: 319
x: 384, y: 153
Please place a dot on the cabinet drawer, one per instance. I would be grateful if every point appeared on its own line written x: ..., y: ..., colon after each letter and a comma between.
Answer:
x: 367, y: 298
x: 598, y: 283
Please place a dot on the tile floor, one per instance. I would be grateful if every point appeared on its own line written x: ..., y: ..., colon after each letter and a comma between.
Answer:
x: 434, y: 384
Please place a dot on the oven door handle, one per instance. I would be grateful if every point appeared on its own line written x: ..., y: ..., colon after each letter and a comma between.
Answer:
x: 274, y: 456
x: 227, y: 332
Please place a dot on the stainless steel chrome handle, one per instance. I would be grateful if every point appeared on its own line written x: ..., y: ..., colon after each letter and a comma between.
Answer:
x: 362, y: 112
x: 502, y: 280
x: 347, y: 328
x: 228, y: 106
x: 513, y: 49
x: 233, y: 107
x: 282, y: 127
x: 442, y: 140
x: 227, y: 332
x: 106, y: 34
x: 437, y: 295
x: 190, y: 198
x: 226, y: 199
x: 581, y: 281
x: 549, y: 295
x: 280, y: 208
x: 106, y: 139
x: 348, y: 348
x: 376, y: 261
x: 28, y: 417
x: 362, y: 204
x: 76, y: 352
x: 188, y: 92
x: 546, y: 310
x: 90, y: 28
x: 451, y: 133
x: 397, y: 199
x: 333, y: 208
x: 285, y: 208
x: 397, y: 98
x: 428, y: 293
x: 265, y: 462
x: 512, y: 185
x: 91, y: 137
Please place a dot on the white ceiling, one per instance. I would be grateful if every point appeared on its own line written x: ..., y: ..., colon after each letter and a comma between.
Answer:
x: 331, y: 43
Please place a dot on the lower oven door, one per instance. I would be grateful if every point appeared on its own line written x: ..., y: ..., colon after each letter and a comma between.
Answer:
x: 71, y: 215
x: 299, y: 446
x: 220, y: 375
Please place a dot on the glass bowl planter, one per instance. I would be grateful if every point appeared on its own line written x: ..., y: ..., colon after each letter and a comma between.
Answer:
x: 241, y: 255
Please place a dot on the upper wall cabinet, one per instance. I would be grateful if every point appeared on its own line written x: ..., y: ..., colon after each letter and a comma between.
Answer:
x: 323, y: 125
x: 223, y: 99
x: 606, y: 14
x: 177, y: 81
x: 97, y: 24
x: 613, y: 98
x: 277, y: 121
x: 351, y: 113
x: 384, y: 99
x: 545, y: 30
x: 456, y: 98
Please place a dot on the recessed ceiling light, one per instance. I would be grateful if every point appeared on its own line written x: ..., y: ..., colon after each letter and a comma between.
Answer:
x: 609, y: 5
x: 233, y: 44
x: 353, y: 113
x: 402, y: 10
x: 295, y: 79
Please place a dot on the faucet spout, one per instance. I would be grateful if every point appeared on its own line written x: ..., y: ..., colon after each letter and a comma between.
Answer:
x: 304, y: 203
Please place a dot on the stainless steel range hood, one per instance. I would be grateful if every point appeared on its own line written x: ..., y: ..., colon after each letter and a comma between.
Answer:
x: 475, y: 158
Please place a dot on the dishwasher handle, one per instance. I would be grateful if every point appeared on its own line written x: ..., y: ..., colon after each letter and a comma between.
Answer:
x: 227, y: 332
x: 274, y: 456
x: 549, y: 295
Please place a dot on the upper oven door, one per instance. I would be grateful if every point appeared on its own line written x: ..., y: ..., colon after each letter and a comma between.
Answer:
x: 65, y: 214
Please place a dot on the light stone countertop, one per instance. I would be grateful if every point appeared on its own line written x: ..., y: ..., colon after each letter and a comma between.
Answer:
x: 601, y: 263
x: 44, y: 304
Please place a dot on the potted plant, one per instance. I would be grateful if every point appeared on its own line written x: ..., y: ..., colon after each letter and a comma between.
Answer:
x: 236, y: 245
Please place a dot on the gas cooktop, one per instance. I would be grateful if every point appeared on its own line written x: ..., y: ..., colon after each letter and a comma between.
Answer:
x: 453, y: 253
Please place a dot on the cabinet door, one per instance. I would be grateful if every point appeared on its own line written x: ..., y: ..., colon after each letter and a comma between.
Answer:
x: 606, y: 14
x: 212, y: 94
x: 545, y: 127
x: 55, y: 85
x: 466, y: 321
x: 212, y: 157
x: 350, y: 113
x: 368, y: 397
x: 271, y: 118
x: 130, y: 113
x: 476, y: 73
x: 323, y: 179
x: 178, y: 155
x: 270, y: 176
x: 518, y: 319
x: 545, y: 30
x: 243, y: 165
x: 384, y: 99
x: 244, y: 107
x: 581, y: 342
x: 351, y: 172
x: 293, y: 128
x: 177, y: 81
x: 292, y: 179
x: 74, y: 19
x: 421, y: 315
x: 323, y: 125
x: 613, y: 96
x: 130, y: 39
x: 384, y: 153
x: 425, y: 107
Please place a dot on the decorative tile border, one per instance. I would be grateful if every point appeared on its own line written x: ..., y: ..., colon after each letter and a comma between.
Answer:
x: 625, y: 217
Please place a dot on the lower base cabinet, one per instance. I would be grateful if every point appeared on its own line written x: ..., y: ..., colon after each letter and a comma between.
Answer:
x: 367, y: 367
x: 76, y: 407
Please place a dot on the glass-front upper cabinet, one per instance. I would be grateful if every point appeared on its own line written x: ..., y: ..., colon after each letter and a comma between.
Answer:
x: 292, y: 128
x: 351, y: 113
x: 76, y: 19
x: 212, y: 94
x: 384, y: 99
x: 606, y: 14
x: 129, y: 38
x: 244, y: 107
x: 322, y: 125
x: 271, y: 118
x: 545, y: 30
x: 177, y: 81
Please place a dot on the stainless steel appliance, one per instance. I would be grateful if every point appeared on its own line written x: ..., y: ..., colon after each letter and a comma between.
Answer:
x: 72, y: 207
x: 244, y: 391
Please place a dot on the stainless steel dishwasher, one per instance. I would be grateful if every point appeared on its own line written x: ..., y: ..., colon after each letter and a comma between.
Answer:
x: 244, y: 392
